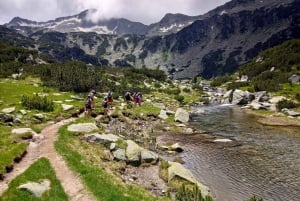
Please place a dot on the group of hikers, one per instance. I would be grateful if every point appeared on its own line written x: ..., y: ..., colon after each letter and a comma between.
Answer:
x: 107, y: 102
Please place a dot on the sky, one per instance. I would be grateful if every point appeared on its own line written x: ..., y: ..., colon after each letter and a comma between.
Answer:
x: 145, y: 11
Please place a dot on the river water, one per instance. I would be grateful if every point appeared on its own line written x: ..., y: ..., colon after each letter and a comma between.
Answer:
x: 262, y: 160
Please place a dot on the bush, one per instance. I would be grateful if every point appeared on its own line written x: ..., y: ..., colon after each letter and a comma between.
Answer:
x: 179, y: 98
x: 186, y: 90
x: 37, y: 102
x: 285, y: 104
x: 297, y: 96
x: 187, y: 194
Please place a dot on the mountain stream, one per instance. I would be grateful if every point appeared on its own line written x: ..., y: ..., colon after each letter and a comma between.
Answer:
x: 262, y: 160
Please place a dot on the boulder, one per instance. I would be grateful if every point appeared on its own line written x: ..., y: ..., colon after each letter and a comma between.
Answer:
x: 294, y: 79
x: 178, y: 170
x: 22, y: 131
x: 36, y: 188
x: 176, y: 147
x: 182, y: 115
x: 163, y: 114
x: 67, y: 107
x: 83, y: 127
x: 148, y: 156
x: 102, y: 138
x: 240, y: 97
x: 9, y: 110
x: 119, y: 154
x: 133, y: 152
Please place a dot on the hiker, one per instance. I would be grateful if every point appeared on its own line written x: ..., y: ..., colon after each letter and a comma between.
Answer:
x: 88, y: 105
x: 92, y: 94
x: 138, y: 98
x: 134, y: 95
x: 128, y: 97
x: 105, y: 105
x: 110, y: 99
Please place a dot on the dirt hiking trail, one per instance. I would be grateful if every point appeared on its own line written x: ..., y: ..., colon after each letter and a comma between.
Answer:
x: 43, y: 146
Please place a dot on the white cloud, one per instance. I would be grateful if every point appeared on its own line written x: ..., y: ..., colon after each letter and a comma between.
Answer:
x: 145, y: 11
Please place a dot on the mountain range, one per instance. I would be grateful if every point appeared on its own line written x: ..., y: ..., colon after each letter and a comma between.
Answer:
x: 207, y: 45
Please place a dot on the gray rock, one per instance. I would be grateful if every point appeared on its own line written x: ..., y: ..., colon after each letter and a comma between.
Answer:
x: 261, y: 96
x: 290, y: 112
x: 22, y: 131
x: 36, y: 188
x: 148, y: 156
x: 119, y: 154
x: 77, y: 98
x: 67, y: 107
x: 276, y: 99
x: 39, y: 116
x: 102, y: 138
x: 182, y: 115
x: 255, y: 105
x: 189, y: 130
x: 9, y: 110
x: 17, y: 121
x: 163, y: 114
x: 133, y: 152
x: 162, y: 147
x: 83, y: 127
x: 23, y: 112
x: 176, y: 147
x: 227, y: 97
x: 294, y: 79
x: 240, y: 97
x: 177, y: 170
x: 113, y: 146
x: 170, y: 112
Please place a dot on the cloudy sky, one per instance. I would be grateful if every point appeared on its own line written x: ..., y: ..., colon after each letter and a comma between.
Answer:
x: 145, y: 11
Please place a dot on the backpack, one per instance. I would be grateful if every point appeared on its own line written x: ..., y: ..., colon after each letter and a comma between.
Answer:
x: 88, y: 101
